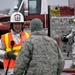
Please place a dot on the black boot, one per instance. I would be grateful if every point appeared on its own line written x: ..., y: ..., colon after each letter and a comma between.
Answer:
x: 1, y: 65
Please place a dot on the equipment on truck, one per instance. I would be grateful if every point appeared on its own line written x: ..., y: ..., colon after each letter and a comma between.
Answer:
x: 71, y: 35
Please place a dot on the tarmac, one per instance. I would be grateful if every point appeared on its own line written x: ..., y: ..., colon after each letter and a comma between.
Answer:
x: 2, y: 72
x: 67, y: 64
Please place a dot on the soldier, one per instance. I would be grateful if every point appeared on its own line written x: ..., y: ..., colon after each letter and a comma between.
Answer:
x: 40, y: 54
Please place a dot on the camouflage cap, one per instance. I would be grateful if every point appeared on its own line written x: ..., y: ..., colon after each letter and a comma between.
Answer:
x: 36, y: 25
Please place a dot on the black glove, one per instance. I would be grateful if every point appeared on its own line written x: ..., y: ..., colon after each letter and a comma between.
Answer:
x: 10, y: 55
x: 64, y: 39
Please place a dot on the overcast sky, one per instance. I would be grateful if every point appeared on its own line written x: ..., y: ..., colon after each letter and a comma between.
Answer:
x: 6, y: 4
x: 9, y: 3
x: 58, y: 2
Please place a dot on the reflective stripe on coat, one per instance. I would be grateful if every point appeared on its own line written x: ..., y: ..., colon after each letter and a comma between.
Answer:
x: 6, y: 39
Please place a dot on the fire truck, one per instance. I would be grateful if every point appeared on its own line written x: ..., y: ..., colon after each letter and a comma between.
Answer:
x: 55, y: 26
x: 30, y: 9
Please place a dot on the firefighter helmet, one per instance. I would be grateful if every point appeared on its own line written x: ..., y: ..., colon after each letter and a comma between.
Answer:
x: 16, y: 17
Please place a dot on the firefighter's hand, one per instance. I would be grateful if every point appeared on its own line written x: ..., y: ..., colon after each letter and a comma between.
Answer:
x: 64, y: 39
x: 10, y: 55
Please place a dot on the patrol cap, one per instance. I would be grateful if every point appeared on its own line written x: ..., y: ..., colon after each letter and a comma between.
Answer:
x: 36, y: 25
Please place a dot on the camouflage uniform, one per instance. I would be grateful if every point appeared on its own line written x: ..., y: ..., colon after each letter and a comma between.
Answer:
x: 46, y: 56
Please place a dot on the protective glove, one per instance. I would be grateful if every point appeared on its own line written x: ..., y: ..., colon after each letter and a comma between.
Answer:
x: 64, y: 39
x: 10, y: 55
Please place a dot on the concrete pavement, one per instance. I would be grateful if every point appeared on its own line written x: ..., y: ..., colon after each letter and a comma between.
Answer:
x: 67, y: 64
x: 2, y: 72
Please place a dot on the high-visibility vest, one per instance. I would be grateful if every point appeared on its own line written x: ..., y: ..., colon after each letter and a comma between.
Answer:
x: 6, y: 39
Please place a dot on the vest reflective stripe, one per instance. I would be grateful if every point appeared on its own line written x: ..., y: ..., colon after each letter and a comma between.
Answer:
x: 24, y: 36
x: 27, y: 34
x: 7, y: 46
x: 7, y: 38
x: 16, y: 53
x: 14, y: 48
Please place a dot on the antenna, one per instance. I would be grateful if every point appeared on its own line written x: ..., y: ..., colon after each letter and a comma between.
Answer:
x: 21, y: 5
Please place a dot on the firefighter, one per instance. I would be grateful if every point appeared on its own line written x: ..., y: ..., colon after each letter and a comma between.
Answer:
x: 71, y: 37
x: 12, y: 41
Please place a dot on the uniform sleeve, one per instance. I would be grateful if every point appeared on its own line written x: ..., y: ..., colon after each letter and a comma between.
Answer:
x: 2, y: 49
x: 22, y: 59
x: 61, y: 62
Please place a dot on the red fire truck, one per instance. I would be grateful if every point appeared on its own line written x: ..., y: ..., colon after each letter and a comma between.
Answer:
x: 30, y: 9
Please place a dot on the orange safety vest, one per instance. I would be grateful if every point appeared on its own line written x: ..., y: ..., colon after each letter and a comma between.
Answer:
x: 6, y: 39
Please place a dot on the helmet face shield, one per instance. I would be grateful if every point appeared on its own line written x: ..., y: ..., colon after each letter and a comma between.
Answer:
x: 17, y: 17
